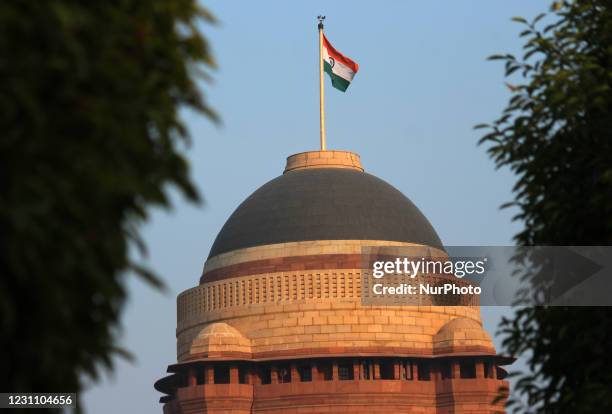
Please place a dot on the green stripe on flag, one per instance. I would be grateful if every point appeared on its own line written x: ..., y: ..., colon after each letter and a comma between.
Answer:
x: 337, y: 82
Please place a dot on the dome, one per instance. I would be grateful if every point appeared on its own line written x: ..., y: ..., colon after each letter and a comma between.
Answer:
x: 219, y: 337
x: 324, y: 202
x: 462, y: 332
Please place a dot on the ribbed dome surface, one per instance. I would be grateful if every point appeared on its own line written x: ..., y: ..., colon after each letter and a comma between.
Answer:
x: 324, y: 204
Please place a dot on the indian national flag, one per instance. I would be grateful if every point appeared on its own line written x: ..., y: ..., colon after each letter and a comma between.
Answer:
x: 341, y: 69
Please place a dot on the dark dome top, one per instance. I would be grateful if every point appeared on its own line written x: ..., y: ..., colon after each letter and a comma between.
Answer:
x: 324, y: 204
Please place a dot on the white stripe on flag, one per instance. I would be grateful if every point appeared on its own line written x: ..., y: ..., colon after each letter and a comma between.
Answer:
x: 338, y: 68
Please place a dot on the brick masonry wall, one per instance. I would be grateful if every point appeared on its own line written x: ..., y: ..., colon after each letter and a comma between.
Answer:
x: 310, y: 311
x: 332, y: 317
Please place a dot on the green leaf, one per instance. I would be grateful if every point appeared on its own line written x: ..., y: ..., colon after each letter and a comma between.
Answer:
x: 538, y: 18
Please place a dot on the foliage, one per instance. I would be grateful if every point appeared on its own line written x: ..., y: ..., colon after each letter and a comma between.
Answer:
x: 91, y: 137
x: 555, y: 135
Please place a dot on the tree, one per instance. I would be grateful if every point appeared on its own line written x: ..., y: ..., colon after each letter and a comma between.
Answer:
x: 555, y: 135
x: 91, y: 137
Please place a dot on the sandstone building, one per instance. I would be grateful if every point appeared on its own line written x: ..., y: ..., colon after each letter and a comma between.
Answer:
x: 276, y: 324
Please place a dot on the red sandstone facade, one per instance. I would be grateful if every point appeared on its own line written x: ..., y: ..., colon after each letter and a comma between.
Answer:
x: 281, y: 328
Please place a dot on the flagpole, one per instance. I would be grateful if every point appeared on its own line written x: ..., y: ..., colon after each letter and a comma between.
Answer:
x: 321, y: 85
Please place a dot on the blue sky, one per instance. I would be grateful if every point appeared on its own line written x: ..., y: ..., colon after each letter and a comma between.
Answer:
x: 423, y: 84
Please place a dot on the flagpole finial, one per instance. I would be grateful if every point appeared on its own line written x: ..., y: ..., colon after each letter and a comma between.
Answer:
x: 321, y: 18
